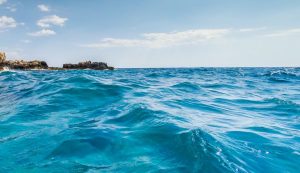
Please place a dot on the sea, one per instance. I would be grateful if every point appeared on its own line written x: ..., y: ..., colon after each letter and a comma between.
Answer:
x: 193, y: 120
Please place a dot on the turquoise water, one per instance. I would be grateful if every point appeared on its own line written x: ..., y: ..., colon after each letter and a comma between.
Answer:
x: 151, y: 120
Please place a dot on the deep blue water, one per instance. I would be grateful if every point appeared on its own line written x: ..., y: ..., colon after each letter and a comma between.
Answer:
x: 151, y: 120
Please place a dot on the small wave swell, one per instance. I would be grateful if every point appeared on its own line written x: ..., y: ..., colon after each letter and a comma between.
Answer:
x: 227, y: 120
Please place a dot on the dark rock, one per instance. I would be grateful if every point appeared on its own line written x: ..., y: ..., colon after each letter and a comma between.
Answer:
x: 39, y: 65
x: 88, y: 65
x: 24, y: 65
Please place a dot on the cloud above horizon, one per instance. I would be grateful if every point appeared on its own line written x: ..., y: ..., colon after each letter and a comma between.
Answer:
x: 287, y: 32
x: 11, y: 8
x: 46, y: 23
x: 252, y: 29
x: 160, y: 40
x: 2, y: 1
x: 49, y: 21
x: 42, y: 33
x: 7, y: 23
x: 43, y: 8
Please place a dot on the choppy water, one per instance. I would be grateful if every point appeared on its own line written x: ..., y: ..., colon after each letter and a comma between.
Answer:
x: 151, y: 120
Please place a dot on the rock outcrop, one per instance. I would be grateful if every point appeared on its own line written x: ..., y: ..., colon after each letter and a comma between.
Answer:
x: 40, y: 65
x: 20, y: 64
x: 2, y: 57
x: 25, y: 65
x: 88, y: 65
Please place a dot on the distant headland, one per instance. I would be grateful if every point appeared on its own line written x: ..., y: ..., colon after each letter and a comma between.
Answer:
x: 42, y: 65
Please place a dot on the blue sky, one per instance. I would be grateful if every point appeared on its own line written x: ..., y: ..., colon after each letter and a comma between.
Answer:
x: 153, y: 33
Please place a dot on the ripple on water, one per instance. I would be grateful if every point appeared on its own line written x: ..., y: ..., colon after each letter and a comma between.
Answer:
x: 151, y: 120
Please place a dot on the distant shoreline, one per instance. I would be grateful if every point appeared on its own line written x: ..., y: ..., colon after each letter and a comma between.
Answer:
x: 42, y: 65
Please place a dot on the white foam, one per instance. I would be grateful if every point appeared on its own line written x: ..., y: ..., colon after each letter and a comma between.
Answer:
x: 5, y: 69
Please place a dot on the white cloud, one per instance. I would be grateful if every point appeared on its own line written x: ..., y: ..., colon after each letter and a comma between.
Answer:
x: 42, y: 33
x: 284, y: 33
x: 48, y: 21
x: 7, y: 22
x: 2, y: 1
x: 159, y: 40
x: 11, y: 8
x: 252, y: 29
x: 26, y: 41
x: 43, y: 8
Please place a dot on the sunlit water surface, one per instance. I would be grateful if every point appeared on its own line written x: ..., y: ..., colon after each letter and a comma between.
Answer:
x: 151, y: 120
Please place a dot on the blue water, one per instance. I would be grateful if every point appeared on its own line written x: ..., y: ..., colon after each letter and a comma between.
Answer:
x: 151, y: 120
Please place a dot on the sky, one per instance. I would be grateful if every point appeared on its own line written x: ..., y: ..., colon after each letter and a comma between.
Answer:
x: 153, y: 33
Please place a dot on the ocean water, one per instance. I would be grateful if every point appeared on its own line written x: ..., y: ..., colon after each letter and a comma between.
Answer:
x: 206, y: 120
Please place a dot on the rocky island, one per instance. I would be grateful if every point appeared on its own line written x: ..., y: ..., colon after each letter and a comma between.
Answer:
x: 88, y: 65
x: 42, y: 65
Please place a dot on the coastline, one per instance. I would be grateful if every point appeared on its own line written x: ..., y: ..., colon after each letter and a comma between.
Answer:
x: 42, y: 65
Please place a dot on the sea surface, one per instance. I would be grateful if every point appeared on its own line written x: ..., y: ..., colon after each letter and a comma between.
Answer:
x: 202, y: 120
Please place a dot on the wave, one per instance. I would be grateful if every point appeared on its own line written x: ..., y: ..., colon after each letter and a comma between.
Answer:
x: 150, y: 120
x: 187, y: 86
x: 283, y: 72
